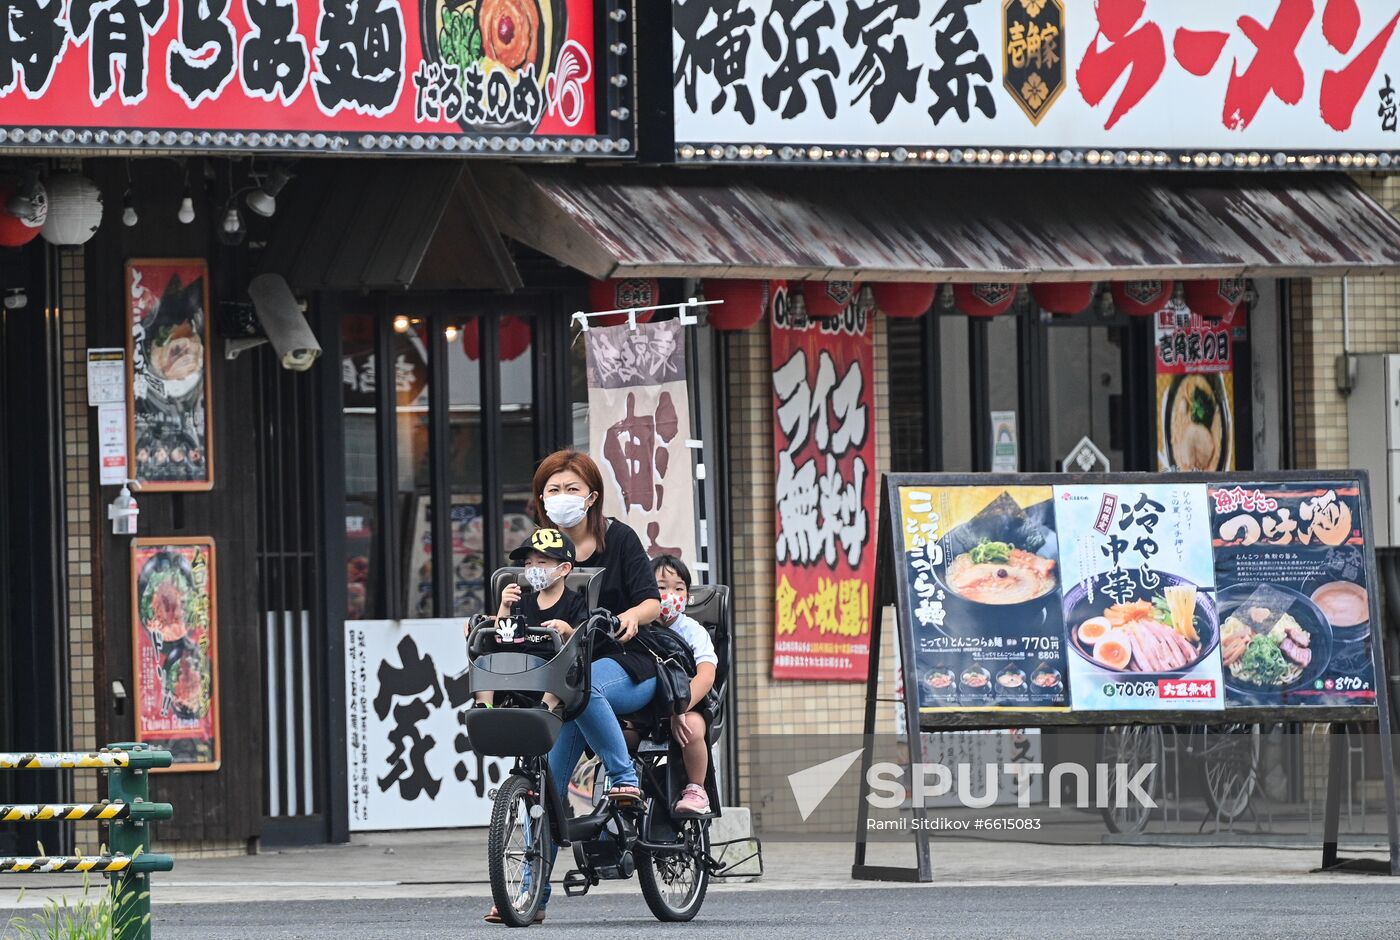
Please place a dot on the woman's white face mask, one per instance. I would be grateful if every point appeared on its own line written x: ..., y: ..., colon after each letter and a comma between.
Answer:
x: 566, y: 510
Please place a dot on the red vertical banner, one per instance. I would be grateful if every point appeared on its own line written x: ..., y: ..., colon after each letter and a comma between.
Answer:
x: 824, y: 437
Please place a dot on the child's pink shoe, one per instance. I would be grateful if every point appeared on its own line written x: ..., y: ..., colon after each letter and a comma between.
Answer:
x: 693, y: 802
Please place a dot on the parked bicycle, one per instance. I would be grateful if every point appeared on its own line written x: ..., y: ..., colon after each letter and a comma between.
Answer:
x: 1225, y: 757
x: 670, y: 856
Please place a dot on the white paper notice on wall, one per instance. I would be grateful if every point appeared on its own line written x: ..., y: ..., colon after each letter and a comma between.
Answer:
x: 106, y: 376
x: 111, y: 443
x: 1006, y: 457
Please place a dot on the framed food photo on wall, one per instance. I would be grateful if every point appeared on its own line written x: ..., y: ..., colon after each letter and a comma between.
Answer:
x: 170, y: 431
x: 174, y: 649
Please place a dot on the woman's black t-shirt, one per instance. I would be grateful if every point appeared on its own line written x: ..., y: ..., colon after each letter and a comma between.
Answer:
x: 626, y: 581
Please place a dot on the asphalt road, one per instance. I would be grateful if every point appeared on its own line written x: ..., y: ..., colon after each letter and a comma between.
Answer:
x: 1261, y: 912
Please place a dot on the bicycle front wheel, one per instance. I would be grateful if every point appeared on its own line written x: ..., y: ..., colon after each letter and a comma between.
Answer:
x: 518, y: 851
x: 1128, y: 749
x: 1230, y: 769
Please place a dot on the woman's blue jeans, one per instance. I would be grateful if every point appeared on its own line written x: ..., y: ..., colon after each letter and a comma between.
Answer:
x: 614, y: 693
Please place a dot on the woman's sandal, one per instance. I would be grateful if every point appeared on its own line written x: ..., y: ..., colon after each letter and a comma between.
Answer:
x: 623, y: 794
x: 495, y: 918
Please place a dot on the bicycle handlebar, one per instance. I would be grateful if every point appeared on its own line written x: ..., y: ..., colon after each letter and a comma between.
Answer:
x: 488, y: 628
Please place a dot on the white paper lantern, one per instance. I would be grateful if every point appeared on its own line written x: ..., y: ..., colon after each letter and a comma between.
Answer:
x: 75, y: 209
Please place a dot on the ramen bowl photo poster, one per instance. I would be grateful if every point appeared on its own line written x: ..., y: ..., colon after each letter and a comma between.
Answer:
x: 981, y: 571
x: 170, y: 438
x: 1294, y: 596
x: 1142, y: 629
x: 174, y: 653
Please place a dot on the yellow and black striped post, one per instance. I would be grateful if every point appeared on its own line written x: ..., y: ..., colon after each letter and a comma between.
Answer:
x: 84, y: 812
x: 42, y: 761
x: 97, y: 864
x: 128, y: 810
x: 65, y: 812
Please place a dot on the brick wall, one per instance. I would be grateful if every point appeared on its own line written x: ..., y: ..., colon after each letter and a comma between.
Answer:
x: 78, y: 462
x: 766, y: 706
x: 1373, y: 305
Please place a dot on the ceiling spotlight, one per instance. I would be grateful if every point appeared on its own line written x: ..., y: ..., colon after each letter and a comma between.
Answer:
x: 263, y: 200
x: 401, y: 324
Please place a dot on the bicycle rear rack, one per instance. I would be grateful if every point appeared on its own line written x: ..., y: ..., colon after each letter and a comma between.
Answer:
x: 721, y: 869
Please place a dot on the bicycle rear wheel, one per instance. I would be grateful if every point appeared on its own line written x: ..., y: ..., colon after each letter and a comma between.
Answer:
x: 674, y: 883
x: 518, y: 851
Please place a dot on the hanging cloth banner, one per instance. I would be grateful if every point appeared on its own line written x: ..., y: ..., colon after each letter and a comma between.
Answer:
x: 823, y: 429
x: 638, y: 426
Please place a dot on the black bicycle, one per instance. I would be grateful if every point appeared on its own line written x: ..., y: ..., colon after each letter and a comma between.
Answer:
x: 670, y: 856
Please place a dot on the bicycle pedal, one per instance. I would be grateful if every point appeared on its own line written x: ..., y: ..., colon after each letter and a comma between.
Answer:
x: 576, y: 884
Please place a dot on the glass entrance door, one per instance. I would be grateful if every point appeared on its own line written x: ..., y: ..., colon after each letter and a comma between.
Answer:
x: 1085, y: 379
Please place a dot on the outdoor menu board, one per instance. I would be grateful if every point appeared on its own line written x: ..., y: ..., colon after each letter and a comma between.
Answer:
x: 1133, y: 594
x: 174, y: 653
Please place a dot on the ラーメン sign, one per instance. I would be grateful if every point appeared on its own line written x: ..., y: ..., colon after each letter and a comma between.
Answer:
x: 1148, y: 83
x: 527, y: 77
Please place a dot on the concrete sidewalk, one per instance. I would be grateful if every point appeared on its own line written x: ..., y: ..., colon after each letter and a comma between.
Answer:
x: 452, y: 864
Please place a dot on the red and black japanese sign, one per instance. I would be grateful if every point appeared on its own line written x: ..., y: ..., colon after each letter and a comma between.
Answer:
x: 419, y: 76
x: 1253, y: 81
x: 824, y: 433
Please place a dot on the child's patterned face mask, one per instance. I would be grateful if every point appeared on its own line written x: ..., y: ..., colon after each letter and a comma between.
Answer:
x: 672, y: 606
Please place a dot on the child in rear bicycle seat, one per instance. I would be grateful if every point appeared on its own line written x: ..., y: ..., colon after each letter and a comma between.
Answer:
x: 689, y: 729
x: 548, y: 557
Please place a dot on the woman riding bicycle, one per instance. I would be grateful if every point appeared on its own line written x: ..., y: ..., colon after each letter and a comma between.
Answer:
x: 568, y: 495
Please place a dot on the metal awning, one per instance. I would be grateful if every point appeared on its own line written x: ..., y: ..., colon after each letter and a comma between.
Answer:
x: 942, y: 224
x: 358, y: 225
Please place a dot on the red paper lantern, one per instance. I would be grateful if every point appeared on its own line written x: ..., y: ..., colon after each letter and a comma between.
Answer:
x: 513, y: 337
x: 1215, y: 299
x: 744, y: 303
x: 1141, y: 298
x: 826, y: 300
x: 13, y: 230
x: 623, y: 293
x: 1066, y: 297
x: 984, y: 300
x: 904, y: 301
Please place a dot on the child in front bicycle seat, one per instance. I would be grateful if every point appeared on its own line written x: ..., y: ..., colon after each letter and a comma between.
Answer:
x: 689, y: 729
x: 548, y: 557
